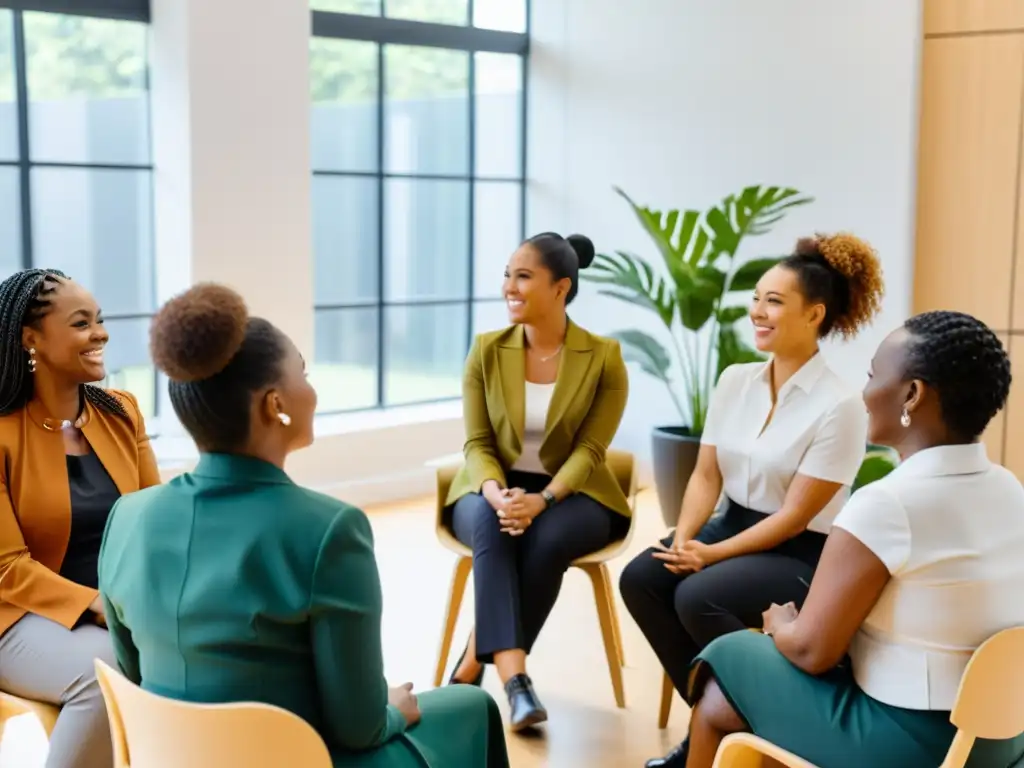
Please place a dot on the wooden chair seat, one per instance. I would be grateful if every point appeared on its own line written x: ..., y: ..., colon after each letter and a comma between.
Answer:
x: 14, y: 706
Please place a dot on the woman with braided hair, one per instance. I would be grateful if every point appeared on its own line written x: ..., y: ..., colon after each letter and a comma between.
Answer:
x: 68, y: 451
x: 783, y: 442
x: 920, y: 568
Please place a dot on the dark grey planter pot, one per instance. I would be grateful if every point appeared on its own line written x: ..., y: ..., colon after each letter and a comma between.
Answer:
x: 674, y: 454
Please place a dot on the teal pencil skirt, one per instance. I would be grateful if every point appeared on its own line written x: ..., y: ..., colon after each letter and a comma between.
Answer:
x: 828, y: 720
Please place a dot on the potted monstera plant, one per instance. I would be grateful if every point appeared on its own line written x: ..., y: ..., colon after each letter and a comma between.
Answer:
x: 699, y: 293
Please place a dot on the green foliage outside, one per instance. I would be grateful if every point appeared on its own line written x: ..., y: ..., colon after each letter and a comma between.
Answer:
x: 74, y: 56
x: 704, y: 294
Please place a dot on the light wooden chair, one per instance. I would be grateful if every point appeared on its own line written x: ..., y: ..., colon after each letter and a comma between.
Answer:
x: 989, y: 705
x: 594, y: 565
x: 151, y: 731
x: 13, y: 706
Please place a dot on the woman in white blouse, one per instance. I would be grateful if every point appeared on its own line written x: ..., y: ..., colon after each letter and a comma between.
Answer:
x: 920, y: 569
x: 783, y: 440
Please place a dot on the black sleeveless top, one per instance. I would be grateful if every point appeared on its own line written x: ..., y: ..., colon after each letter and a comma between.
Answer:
x: 93, y: 494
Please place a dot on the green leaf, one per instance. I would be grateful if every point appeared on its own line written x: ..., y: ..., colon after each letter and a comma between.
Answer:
x: 745, y: 278
x: 726, y: 239
x: 732, y: 350
x: 698, y: 299
x: 873, y: 468
x: 661, y: 228
x: 634, y: 281
x: 729, y: 315
x: 641, y: 348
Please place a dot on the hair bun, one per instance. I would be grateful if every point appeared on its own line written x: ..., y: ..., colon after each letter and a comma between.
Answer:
x: 858, y: 263
x: 584, y: 248
x: 196, y: 334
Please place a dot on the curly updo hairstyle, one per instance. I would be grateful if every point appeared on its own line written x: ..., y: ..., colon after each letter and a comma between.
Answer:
x: 564, y: 257
x: 26, y: 297
x: 843, y: 273
x: 965, y: 363
x: 216, y: 357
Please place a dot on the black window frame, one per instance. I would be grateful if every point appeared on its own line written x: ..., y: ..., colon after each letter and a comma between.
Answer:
x: 382, y: 30
x: 116, y: 10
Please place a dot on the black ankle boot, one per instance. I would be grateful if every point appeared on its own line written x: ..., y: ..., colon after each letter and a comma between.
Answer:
x: 674, y: 759
x: 526, y: 709
x: 476, y: 680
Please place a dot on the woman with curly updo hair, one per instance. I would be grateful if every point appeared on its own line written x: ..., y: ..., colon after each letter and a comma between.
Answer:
x: 783, y: 441
x: 920, y: 568
x: 232, y: 583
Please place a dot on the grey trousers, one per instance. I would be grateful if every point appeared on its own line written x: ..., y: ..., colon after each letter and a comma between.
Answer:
x: 41, y: 660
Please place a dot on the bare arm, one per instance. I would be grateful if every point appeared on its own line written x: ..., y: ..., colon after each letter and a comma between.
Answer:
x: 847, y: 584
x: 869, y: 542
x: 806, y: 497
x: 702, y: 493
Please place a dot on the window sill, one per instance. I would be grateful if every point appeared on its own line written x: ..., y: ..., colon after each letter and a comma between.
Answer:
x: 366, y: 457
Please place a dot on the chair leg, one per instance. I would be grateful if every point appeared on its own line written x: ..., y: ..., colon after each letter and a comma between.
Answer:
x: 601, y: 581
x: 619, y: 650
x: 667, y: 692
x: 459, y: 578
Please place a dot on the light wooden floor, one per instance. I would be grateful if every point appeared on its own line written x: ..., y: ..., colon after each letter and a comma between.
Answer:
x: 568, y: 665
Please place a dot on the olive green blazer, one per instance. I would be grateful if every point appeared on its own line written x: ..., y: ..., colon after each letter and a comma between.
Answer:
x: 586, y: 408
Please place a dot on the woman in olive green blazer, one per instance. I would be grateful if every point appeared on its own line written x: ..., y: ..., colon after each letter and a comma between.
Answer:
x: 542, y: 401
x: 231, y: 583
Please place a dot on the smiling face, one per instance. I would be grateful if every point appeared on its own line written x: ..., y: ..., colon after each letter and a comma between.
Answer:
x: 530, y: 290
x: 782, y: 318
x: 69, y: 339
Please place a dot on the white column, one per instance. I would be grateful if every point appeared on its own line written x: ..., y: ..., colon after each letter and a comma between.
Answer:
x: 230, y: 117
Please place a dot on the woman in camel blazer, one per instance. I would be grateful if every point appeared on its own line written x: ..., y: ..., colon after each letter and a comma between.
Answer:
x: 68, y: 451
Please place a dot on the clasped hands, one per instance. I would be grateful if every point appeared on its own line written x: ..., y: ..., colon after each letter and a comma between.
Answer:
x: 516, y: 509
x: 685, y: 555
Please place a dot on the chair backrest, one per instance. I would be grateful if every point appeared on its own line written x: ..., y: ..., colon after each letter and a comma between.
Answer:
x: 989, y: 704
x: 151, y: 731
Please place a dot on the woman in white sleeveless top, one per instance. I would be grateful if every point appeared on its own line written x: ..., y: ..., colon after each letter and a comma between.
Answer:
x: 920, y: 569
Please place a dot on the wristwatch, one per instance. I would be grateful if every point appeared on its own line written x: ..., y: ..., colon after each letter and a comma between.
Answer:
x: 549, y: 498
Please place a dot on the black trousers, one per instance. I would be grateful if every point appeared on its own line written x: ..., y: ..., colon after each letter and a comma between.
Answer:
x: 680, y: 614
x: 516, y: 579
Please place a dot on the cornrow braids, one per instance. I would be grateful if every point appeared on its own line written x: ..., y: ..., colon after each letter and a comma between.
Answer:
x: 25, y: 299
x: 964, y: 361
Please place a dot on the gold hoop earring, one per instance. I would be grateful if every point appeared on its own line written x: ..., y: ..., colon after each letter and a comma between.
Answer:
x: 285, y: 419
x: 32, y: 360
x: 905, y: 418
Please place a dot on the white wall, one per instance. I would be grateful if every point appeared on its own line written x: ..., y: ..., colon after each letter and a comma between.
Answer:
x: 681, y: 102
x: 678, y: 101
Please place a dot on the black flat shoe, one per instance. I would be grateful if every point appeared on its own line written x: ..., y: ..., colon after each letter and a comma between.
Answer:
x: 526, y: 709
x: 476, y: 680
x: 674, y: 759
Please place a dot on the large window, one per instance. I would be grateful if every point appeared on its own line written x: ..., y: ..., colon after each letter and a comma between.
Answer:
x: 418, y: 117
x: 75, y: 168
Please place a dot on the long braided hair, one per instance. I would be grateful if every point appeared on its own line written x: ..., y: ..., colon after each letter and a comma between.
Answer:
x: 25, y: 299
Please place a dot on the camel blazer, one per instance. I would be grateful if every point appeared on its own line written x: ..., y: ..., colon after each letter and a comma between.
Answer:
x: 586, y: 408
x: 35, y: 505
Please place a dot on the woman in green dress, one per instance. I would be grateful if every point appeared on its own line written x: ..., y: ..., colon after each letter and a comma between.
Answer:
x: 232, y: 583
x: 919, y: 570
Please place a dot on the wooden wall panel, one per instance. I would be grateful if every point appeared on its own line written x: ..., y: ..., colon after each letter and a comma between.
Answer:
x: 1013, y: 458
x: 993, y: 437
x: 969, y: 139
x: 951, y: 16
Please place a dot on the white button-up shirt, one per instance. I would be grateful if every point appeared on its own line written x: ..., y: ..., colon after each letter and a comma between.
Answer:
x: 949, y: 526
x: 819, y: 429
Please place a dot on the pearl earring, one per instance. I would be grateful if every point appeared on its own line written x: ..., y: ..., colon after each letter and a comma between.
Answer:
x: 284, y: 418
x: 32, y: 360
x: 905, y: 418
